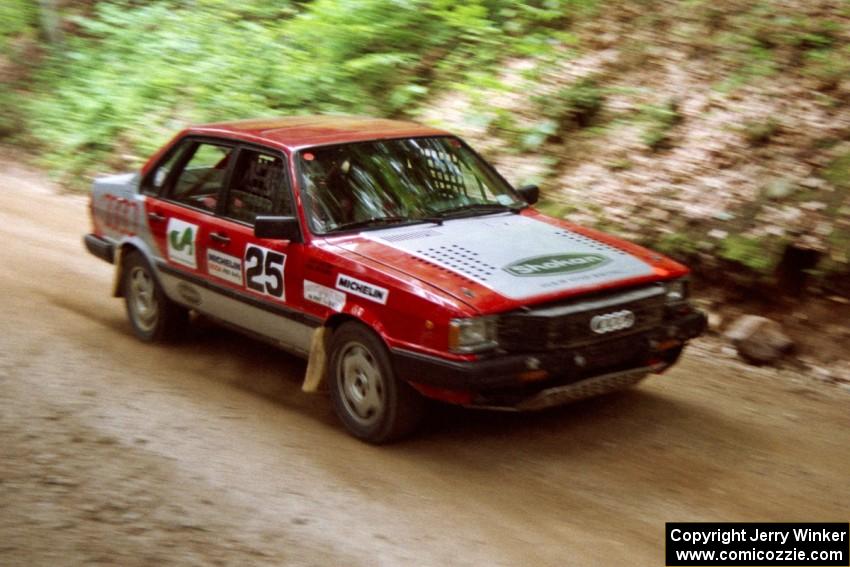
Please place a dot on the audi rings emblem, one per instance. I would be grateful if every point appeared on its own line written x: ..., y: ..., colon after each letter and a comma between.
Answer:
x: 610, y: 322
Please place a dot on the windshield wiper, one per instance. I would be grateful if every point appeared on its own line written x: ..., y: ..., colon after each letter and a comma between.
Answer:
x: 479, y: 207
x: 382, y: 221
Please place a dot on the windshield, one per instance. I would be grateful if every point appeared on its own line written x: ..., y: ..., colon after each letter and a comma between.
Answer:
x: 392, y: 182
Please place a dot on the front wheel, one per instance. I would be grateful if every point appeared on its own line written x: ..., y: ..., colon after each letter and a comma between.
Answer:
x: 372, y: 403
x: 152, y: 315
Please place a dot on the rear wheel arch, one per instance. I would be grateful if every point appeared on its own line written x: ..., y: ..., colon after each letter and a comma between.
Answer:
x: 124, y: 250
x: 153, y: 316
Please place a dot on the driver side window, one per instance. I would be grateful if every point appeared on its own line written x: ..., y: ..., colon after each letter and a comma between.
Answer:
x: 257, y: 187
x: 199, y: 183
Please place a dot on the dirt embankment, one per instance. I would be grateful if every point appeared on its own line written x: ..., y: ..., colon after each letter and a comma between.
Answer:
x: 718, y: 132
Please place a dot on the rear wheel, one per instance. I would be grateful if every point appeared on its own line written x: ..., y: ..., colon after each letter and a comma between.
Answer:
x: 152, y: 315
x: 372, y: 403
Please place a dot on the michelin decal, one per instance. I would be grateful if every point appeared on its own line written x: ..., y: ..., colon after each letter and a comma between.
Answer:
x: 362, y: 289
x: 182, y: 242
x: 224, y: 266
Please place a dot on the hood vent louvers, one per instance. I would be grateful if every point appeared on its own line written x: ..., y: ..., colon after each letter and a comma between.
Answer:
x: 414, y: 235
x: 590, y: 243
x: 461, y: 260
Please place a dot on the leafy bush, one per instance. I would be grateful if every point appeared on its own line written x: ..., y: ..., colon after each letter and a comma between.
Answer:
x: 837, y: 172
x: 660, y: 119
x: 10, y: 117
x: 827, y: 66
x: 756, y: 254
x: 16, y: 17
x: 576, y: 105
x: 760, y: 132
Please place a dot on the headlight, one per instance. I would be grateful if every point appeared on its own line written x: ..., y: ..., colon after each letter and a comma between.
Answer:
x: 677, y: 290
x: 472, y: 335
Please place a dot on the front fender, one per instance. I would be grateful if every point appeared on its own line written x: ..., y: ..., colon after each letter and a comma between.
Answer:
x: 367, y: 317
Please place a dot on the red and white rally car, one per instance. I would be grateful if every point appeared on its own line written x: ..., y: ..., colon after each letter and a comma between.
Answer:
x: 395, y: 258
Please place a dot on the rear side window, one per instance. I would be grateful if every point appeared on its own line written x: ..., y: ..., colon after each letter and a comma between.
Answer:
x: 157, y: 179
x: 199, y: 182
x: 257, y: 187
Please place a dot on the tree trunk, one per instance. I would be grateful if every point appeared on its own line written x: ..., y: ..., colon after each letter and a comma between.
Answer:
x: 48, y: 15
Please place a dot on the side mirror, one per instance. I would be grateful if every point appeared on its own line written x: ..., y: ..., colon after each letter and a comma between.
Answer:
x: 530, y: 193
x: 279, y: 228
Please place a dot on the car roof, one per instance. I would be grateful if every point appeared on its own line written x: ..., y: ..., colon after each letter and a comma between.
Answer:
x: 295, y: 132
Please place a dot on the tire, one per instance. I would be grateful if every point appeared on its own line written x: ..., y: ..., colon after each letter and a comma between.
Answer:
x: 370, y: 400
x: 671, y: 357
x: 153, y: 317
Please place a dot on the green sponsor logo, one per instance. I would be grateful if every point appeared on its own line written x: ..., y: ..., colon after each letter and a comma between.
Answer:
x: 180, y: 241
x: 556, y: 264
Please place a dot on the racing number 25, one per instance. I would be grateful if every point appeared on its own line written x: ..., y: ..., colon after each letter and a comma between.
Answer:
x: 264, y: 270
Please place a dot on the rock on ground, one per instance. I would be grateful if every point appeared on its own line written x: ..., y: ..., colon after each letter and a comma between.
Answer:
x: 758, y: 339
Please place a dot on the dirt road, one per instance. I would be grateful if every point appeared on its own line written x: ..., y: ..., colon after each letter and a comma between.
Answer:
x: 116, y: 452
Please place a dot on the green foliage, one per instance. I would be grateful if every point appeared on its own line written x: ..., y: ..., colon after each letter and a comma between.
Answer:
x: 756, y: 254
x: 763, y: 38
x: 759, y: 132
x: 573, y: 106
x: 660, y: 119
x: 16, y: 17
x: 10, y: 118
x: 534, y: 27
x: 827, y: 66
x: 522, y: 18
x: 677, y: 244
x: 136, y: 72
x: 837, y: 172
x: 555, y: 209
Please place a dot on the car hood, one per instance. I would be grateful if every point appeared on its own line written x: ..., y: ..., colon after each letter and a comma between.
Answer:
x: 502, y: 261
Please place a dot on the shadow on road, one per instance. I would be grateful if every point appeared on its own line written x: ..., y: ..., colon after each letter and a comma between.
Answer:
x: 623, y: 417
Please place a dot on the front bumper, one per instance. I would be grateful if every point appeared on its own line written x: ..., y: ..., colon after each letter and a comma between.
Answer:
x: 511, y: 380
x: 587, y: 388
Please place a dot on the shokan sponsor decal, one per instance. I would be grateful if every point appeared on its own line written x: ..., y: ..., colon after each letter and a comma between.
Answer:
x: 224, y: 266
x: 362, y: 289
x: 182, y: 242
x: 554, y: 264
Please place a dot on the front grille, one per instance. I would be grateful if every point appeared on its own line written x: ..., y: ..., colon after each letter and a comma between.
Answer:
x: 623, y: 351
x: 568, y: 324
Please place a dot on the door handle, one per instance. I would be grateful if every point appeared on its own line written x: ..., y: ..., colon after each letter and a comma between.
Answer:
x: 220, y: 237
x: 155, y: 217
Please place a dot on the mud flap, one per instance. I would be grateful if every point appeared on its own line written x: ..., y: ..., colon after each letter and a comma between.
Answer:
x: 316, y: 363
x: 119, y: 265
